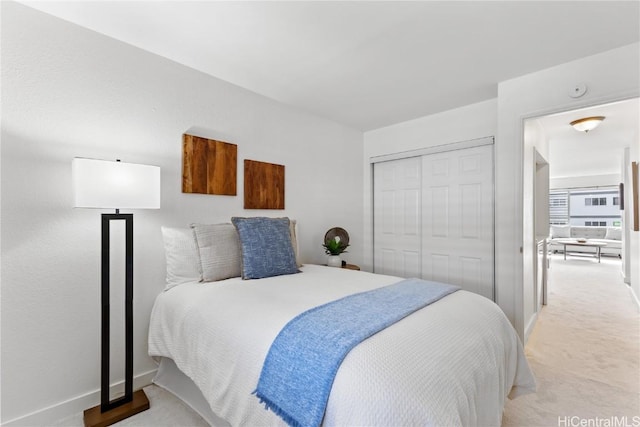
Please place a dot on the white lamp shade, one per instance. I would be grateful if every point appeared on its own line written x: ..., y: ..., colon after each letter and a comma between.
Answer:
x: 115, y: 185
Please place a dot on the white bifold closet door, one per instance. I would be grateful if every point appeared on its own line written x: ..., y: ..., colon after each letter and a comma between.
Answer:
x: 457, y: 227
x: 434, y: 219
x: 397, y: 212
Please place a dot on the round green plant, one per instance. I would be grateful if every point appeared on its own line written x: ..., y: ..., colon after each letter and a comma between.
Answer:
x: 334, y: 246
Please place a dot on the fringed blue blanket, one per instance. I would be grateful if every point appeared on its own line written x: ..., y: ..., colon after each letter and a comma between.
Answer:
x: 302, y: 362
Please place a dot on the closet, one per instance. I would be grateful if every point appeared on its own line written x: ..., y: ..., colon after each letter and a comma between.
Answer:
x: 433, y: 215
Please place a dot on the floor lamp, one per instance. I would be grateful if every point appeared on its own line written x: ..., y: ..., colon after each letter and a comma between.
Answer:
x: 116, y: 185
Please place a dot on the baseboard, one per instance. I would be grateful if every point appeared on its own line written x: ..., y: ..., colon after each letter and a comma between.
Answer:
x: 625, y: 278
x: 635, y: 297
x: 62, y: 410
x: 529, y: 328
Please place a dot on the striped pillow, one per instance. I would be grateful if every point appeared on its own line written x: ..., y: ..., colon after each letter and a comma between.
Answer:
x: 219, y: 249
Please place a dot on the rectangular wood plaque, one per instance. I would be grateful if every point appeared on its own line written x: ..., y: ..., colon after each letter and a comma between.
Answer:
x: 208, y: 166
x: 263, y: 185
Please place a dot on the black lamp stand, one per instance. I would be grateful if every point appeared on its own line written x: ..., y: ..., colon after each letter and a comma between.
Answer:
x: 110, y: 412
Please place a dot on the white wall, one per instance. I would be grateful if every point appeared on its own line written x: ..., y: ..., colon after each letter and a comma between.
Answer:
x: 460, y: 124
x: 609, y: 76
x: 585, y: 181
x: 67, y: 92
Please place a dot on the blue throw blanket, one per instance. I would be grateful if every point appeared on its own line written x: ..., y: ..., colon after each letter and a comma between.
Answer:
x: 302, y: 362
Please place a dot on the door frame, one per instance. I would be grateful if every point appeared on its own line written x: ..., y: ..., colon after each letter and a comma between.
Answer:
x: 461, y: 145
x: 522, y: 325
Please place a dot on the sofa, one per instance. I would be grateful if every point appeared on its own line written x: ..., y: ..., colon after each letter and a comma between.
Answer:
x: 612, y: 236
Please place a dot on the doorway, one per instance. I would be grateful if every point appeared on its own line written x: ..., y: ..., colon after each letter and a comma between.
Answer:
x: 582, y: 162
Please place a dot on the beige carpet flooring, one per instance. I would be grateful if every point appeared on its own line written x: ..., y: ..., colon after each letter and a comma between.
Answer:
x: 584, y: 351
x: 165, y: 410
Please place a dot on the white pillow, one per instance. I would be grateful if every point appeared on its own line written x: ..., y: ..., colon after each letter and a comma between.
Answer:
x: 219, y: 247
x: 560, y: 231
x: 183, y: 259
x: 613, y: 233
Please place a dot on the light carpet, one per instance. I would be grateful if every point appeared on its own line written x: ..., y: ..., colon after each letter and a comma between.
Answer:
x: 165, y: 410
x: 584, y: 351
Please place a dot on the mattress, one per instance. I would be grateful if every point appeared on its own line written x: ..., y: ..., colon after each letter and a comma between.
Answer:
x: 451, y: 363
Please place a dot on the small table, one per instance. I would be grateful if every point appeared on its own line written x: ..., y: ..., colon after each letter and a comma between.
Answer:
x: 597, y: 245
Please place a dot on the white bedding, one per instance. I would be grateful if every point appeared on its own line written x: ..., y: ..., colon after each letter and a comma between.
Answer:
x: 451, y: 363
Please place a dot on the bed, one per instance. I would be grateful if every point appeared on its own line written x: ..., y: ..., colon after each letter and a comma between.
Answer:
x: 451, y: 363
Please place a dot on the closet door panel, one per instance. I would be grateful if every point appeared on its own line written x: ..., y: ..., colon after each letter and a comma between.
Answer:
x: 397, y: 217
x: 438, y: 268
x: 437, y: 210
x: 457, y: 194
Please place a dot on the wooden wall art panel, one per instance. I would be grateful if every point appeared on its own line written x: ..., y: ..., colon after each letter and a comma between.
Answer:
x: 208, y: 166
x: 263, y: 185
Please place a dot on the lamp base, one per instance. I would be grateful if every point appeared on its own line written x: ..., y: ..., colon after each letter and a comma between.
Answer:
x: 94, y: 418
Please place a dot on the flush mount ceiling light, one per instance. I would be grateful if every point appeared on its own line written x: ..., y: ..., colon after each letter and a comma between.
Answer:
x: 587, y: 123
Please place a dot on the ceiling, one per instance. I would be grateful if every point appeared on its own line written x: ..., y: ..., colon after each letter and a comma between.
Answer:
x: 598, y: 152
x: 364, y: 64
x: 372, y: 64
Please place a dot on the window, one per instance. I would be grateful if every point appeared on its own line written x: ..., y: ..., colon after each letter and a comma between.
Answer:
x: 559, y: 207
x: 595, y: 223
x: 594, y: 207
x: 595, y: 201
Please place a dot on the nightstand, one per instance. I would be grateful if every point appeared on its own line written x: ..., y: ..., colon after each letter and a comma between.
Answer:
x: 351, y: 267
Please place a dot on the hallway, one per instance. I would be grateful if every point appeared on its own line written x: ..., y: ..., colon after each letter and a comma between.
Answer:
x: 584, y: 350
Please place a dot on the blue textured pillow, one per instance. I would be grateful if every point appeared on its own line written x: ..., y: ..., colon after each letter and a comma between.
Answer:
x: 266, y: 247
